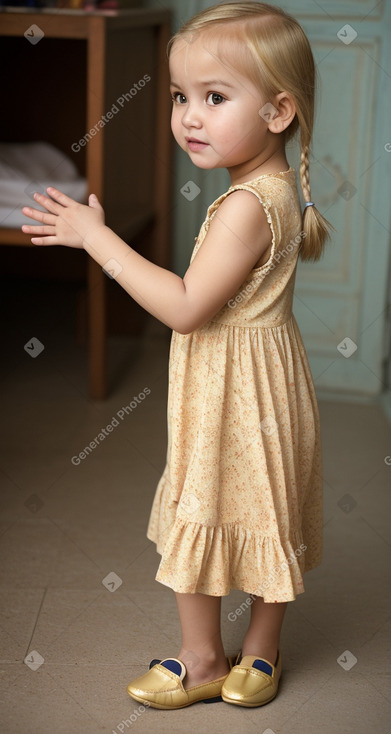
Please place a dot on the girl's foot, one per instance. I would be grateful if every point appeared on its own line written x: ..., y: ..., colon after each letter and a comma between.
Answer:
x: 202, y: 671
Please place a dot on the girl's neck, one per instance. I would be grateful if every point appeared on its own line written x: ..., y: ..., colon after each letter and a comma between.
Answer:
x: 274, y: 163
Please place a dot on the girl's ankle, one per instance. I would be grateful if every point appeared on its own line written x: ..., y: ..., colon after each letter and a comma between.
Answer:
x: 209, y: 658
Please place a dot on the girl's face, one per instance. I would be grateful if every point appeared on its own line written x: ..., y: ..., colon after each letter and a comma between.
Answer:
x: 221, y: 108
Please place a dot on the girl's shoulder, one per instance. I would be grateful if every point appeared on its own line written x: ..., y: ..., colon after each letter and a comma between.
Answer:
x: 274, y: 191
x: 278, y: 195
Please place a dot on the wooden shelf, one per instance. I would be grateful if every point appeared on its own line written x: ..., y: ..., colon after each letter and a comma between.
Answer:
x: 60, y: 90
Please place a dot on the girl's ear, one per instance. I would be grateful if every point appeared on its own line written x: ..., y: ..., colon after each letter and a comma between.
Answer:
x: 285, y: 112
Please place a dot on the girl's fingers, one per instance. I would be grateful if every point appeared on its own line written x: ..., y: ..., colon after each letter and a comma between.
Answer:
x: 49, y: 204
x: 38, y: 215
x: 60, y: 197
x: 44, y: 240
x: 38, y: 230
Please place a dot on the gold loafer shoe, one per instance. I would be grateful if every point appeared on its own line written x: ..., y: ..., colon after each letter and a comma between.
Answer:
x: 252, y: 682
x: 162, y: 688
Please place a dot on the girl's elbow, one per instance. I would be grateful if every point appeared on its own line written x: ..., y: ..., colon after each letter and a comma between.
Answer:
x: 186, y: 324
x: 190, y: 318
x: 184, y: 328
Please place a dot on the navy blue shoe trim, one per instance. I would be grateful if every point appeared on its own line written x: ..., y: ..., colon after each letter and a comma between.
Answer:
x: 216, y: 699
x: 263, y: 666
x: 173, y: 666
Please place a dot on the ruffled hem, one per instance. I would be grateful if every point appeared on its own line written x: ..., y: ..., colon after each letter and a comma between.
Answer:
x: 214, y: 560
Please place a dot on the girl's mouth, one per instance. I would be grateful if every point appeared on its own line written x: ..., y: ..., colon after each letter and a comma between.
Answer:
x: 195, y: 144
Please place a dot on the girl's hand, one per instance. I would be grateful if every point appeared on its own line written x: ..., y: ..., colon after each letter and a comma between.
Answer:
x: 66, y: 221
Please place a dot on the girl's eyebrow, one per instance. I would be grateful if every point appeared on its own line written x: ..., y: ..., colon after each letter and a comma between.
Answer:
x: 208, y: 83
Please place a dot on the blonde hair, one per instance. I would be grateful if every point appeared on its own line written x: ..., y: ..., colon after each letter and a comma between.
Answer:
x: 271, y: 49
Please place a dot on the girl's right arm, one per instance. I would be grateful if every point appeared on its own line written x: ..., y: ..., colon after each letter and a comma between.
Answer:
x: 238, y: 235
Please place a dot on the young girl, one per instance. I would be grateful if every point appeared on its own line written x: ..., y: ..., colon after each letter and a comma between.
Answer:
x: 239, y: 504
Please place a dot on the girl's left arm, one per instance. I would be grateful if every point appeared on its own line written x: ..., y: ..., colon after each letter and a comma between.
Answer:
x: 182, y: 304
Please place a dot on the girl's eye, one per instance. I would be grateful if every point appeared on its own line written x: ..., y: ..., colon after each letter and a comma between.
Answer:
x: 175, y: 94
x: 219, y: 98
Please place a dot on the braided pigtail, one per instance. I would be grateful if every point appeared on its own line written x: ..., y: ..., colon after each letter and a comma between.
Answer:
x: 314, y: 225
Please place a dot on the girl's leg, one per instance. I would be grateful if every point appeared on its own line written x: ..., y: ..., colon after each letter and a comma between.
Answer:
x: 263, y: 635
x: 202, y: 649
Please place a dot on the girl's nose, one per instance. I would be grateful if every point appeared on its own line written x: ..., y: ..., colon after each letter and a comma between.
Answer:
x: 192, y: 116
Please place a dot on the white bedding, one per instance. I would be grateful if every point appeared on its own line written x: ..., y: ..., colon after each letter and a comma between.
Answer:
x: 29, y: 167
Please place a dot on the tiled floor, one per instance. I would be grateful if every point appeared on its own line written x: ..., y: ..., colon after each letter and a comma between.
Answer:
x: 66, y: 526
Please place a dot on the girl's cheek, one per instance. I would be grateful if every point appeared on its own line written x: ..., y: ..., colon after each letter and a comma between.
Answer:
x: 177, y: 133
x: 174, y: 126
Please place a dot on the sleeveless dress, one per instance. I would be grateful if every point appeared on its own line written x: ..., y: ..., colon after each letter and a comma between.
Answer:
x: 239, y: 504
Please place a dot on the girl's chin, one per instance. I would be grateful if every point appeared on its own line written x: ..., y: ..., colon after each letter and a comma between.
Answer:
x: 202, y: 162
